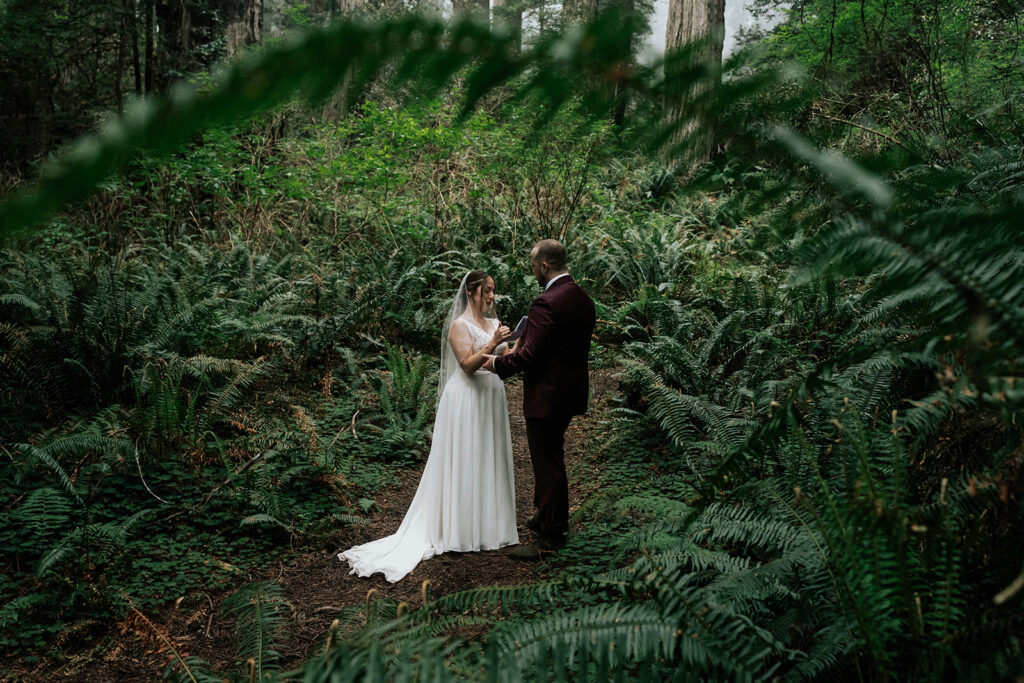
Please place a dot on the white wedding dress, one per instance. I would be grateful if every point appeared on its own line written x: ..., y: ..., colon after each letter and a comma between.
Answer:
x: 466, y: 497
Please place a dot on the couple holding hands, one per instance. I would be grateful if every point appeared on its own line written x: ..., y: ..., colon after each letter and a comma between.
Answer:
x: 466, y: 499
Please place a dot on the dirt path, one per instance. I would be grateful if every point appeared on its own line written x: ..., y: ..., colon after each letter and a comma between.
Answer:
x: 319, y: 587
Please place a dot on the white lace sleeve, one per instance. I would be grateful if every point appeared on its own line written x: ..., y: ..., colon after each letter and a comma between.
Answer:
x: 461, y: 340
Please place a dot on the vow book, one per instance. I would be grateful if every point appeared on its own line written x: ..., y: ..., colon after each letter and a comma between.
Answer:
x: 519, y: 331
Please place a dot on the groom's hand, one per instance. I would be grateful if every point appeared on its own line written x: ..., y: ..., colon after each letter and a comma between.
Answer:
x: 488, y: 363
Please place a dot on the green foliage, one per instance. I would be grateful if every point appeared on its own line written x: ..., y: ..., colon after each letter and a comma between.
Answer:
x: 926, y: 75
x: 421, y: 51
x: 259, y: 610
x: 406, y: 393
x: 814, y: 468
x: 834, y: 511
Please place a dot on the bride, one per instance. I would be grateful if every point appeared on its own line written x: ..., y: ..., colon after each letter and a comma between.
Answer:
x: 466, y: 497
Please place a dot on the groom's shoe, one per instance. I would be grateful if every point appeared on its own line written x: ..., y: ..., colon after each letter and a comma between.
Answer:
x: 545, y: 544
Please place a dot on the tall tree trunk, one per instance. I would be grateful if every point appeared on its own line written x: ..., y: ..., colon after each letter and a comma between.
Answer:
x: 336, y: 106
x: 185, y: 28
x: 509, y: 13
x: 620, y: 92
x: 244, y: 24
x: 122, y: 39
x: 149, y: 9
x: 701, y: 25
x: 174, y: 26
x: 131, y: 15
x: 256, y: 21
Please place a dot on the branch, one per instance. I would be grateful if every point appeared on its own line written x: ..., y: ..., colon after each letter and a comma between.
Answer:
x: 870, y: 130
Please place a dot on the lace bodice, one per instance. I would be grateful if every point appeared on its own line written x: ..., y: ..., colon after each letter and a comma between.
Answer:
x: 481, y: 338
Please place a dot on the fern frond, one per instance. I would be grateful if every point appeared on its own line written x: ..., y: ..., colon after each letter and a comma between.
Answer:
x: 17, y: 299
x: 259, y: 609
x: 43, y: 456
x: 630, y: 632
x: 488, y: 598
x: 100, y: 540
x: 44, y: 511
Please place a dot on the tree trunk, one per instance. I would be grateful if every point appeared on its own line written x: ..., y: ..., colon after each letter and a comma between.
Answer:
x: 244, y: 24
x: 122, y: 39
x: 174, y: 27
x: 336, y: 106
x: 620, y: 93
x: 510, y: 15
x: 133, y: 39
x: 699, y: 24
x: 149, y: 9
x: 185, y: 26
x: 578, y: 11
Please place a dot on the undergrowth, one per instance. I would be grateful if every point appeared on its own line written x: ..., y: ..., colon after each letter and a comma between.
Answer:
x: 812, y: 471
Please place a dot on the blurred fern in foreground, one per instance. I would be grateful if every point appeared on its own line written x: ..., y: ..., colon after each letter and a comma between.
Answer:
x: 821, y: 420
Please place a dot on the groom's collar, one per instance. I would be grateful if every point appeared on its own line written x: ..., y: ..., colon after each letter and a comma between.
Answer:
x: 554, y: 280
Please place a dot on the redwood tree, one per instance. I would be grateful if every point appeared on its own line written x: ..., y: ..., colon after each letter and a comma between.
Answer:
x: 244, y: 20
x: 698, y: 26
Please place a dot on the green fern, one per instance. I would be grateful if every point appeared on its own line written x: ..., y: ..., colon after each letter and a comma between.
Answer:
x: 97, y: 542
x: 259, y: 609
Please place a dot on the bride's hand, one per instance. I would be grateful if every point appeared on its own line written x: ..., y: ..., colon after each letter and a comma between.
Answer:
x: 500, y: 335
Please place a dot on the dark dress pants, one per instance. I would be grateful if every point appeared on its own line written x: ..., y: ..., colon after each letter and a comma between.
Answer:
x: 546, y: 437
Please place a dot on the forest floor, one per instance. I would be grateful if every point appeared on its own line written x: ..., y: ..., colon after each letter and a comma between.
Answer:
x: 318, y: 586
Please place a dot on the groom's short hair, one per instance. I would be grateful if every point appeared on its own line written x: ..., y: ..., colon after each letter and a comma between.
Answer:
x: 553, y: 252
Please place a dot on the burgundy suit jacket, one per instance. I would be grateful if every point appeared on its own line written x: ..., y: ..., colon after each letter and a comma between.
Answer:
x: 553, y: 352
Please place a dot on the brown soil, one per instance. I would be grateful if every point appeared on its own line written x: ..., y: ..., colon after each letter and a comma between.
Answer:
x: 318, y: 585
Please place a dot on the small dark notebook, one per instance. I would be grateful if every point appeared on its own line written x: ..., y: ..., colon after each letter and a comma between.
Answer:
x: 519, y: 331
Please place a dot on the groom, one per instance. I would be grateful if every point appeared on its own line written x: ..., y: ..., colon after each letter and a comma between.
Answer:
x: 552, y: 356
